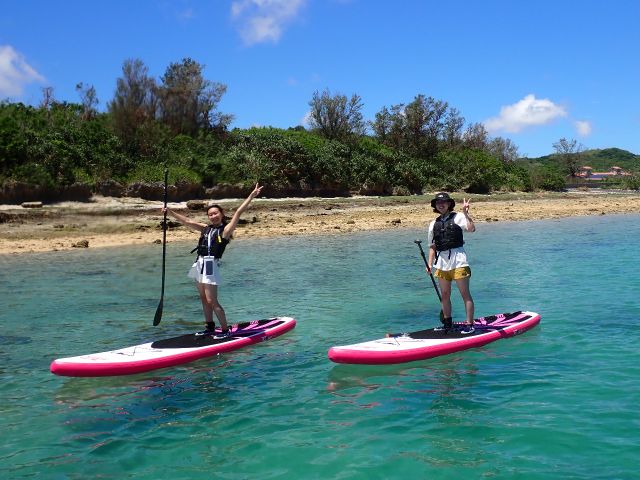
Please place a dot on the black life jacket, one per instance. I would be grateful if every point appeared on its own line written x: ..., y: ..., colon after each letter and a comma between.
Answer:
x: 218, y: 243
x: 447, y: 234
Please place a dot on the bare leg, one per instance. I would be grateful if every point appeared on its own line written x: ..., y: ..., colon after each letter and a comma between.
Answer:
x: 211, y: 300
x: 463, y: 286
x: 206, y: 308
x: 445, y: 291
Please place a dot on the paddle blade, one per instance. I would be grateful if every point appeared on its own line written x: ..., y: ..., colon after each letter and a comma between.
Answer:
x: 158, y: 317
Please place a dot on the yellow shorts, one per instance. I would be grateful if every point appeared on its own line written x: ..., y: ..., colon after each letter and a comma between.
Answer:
x: 455, y: 274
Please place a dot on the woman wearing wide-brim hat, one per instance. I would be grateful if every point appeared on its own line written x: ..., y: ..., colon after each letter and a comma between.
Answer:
x: 448, y: 257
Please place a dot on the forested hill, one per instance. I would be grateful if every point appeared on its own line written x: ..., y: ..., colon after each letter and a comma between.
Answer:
x: 56, y: 149
x: 601, y: 160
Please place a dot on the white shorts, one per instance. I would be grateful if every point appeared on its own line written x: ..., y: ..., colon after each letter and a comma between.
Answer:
x: 205, y: 270
x: 451, y: 259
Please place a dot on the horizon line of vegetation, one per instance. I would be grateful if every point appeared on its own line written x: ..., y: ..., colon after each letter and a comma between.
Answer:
x: 174, y: 122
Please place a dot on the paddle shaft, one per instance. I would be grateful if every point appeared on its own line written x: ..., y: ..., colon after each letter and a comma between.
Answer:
x: 426, y: 264
x: 158, y: 316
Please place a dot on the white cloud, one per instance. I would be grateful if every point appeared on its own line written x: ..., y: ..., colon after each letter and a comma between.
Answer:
x: 15, y: 72
x: 583, y: 127
x: 264, y: 20
x: 528, y: 112
x: 306, y: 120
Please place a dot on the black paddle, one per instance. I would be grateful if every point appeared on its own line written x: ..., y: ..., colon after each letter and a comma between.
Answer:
x: 433, y: 280
x: 158, y: 317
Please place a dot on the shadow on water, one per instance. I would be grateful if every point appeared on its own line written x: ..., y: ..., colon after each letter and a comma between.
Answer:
x: 14, y: 340
x: 95, y: 409
x: 439, y: 379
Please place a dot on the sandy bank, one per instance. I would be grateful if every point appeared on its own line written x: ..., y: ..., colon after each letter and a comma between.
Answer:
x: 107, y: 222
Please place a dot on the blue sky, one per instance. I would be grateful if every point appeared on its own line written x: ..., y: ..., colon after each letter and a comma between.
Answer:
x: 530, y: 71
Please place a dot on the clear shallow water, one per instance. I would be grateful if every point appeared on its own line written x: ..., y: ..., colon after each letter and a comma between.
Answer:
x: 560, y: 401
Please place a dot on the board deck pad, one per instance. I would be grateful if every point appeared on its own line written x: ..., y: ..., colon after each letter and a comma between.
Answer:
x: 434, y: 342
x: 193, y: 340
x: 481, y: 325
x: 171, y: 351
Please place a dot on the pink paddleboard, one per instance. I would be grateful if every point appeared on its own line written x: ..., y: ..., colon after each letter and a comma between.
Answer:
x: 408, y: 347
x: 170, y: 352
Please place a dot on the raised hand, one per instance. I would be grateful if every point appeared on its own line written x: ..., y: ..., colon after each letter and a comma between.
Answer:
x: 256, y: 191
x: 465, y: 205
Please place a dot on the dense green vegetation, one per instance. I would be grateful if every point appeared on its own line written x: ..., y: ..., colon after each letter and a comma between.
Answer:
x: 601, y: 160
x: 570, y: 157
x: 568, y: 160
x: 413, y: 147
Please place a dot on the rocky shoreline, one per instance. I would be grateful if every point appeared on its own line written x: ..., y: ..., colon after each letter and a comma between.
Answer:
x: 118, y: 221
x: 14, y: 192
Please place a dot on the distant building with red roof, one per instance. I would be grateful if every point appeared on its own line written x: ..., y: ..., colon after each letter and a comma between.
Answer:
x: 587, y: 173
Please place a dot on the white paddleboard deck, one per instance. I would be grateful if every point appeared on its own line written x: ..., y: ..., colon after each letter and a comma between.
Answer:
x: 171, y: 351
x: 409, y: 347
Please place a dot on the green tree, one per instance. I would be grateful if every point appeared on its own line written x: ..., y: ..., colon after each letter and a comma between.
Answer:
x: 335, y: 117
x: 452, y: 129
x: 631, y: 182
x: 371, y: 166
x: 89, y: 99
x: 547, y: 177
x: 425, y: 122
x: 99, y: 150
x: 58, y: 149
x: 266, y: 155
x: 476, y: 137
x: 420, y: 128
x: 188, y: 102
x: 503, y: 149
x: 331, y: 167
x: 516, y: 178
x: 389, y: 126
x: 15, y: 121
x: 483, y: 172
x: 133, y: 107
x: 569, y: 154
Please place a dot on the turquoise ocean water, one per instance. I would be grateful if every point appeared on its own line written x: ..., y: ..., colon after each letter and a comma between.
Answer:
x: 560, y: 401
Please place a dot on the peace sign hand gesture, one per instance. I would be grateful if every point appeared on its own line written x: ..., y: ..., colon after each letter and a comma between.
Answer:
x: 256, y: 191
x: 465, y: 206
